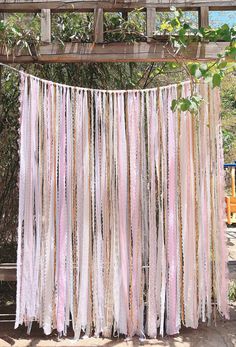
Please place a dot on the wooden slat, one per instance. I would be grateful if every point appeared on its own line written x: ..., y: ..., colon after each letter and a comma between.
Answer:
x: 204, y: 16
x: 125, y: 15
x: 232, y: 269
x: 117, y: 52
x: 8, y: 272
x: 62, y: 5
x: 150, y: 23
x: 232, y: 199
x: 46, y: 26
x: 98, y: 25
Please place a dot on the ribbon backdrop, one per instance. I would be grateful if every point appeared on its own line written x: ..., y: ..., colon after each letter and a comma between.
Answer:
x: 121, y: 208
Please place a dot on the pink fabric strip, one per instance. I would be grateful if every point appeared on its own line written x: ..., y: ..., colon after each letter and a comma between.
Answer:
x: 98, y: 250
x: 162, y: 257
x: 62, y: 223
x: 134, y: 155
x: 189, y: 231
x: 152, y: 133
x: 116, y: 290
x: 204, y: 288
x: 221, y: 257
x: 172, y: 327
x: 20, y: 251
x: 122, y: 216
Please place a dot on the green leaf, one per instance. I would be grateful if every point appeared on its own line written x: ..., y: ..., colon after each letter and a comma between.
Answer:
x: 175, y: 23
x: 222, y: 65
x: 225, y: 27
x: 185, y: 104
x: 192, y: 68
x: 216, y: 80
x: 174, y: 105
x: 166, y: 27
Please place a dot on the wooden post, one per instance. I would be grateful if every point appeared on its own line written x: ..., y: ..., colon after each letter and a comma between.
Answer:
x: 150, y: 23
x: 125, y: 15
x: 98, y: 25
x: 46, y: 26
x: 233, y: 182
x: 203, y: 19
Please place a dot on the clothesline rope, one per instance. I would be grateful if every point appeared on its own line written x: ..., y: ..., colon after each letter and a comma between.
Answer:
x: 124, y: 91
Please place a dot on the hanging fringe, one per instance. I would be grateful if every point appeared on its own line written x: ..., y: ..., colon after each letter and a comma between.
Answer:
x: 120, y: 211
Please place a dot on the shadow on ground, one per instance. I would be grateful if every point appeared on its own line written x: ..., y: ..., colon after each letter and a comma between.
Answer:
x: 219, y: 334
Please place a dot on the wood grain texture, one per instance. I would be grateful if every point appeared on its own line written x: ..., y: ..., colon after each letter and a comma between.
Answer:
x: 8, y: 272
x: 89, y: 5
x: 203, y: 16
x: 116, y: 52
x: 98, y: 25
x: 150, y: 23
x: 46, y: 26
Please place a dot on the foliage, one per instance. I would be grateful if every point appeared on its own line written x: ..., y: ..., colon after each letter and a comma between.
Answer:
x: 232, y: 291
x: 9, y: 164
x: 74, y: 27
x: 190, y: 104
x: 228, y: 113
x: 126, y: 29
x: 181, y: 33
x: 19, y: 32
x: 228, y: 137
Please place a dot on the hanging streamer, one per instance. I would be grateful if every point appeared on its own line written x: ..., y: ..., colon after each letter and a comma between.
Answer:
x: 120, y: 210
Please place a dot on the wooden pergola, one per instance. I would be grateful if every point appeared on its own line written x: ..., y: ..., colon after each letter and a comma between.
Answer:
x: 100, y: 51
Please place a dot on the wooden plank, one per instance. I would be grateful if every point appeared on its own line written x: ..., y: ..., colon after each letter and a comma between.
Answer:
x: 46, y: 26
x: 232, y: 269
x: 62, y: 5
x: 203, y: 16
x: 125, y: 15
x: 8, y: 272
x: 150, y: 23
x: 117, y: 52
x: 98, y: 25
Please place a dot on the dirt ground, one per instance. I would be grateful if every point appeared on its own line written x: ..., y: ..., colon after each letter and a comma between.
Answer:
x: 220, y: 334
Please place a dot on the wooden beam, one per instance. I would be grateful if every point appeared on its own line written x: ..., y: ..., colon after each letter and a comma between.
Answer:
x: 125, y: 15
x: 151, y: 21
x: 203, y: 17
x: 98, y: 25
x: 116, y: 52
x: 62, y: 5
x: 8, y: 272
x: 232, y: 269
x: 46, y: 26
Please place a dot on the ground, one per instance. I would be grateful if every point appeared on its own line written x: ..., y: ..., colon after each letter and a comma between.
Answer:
x: 220, y: 334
